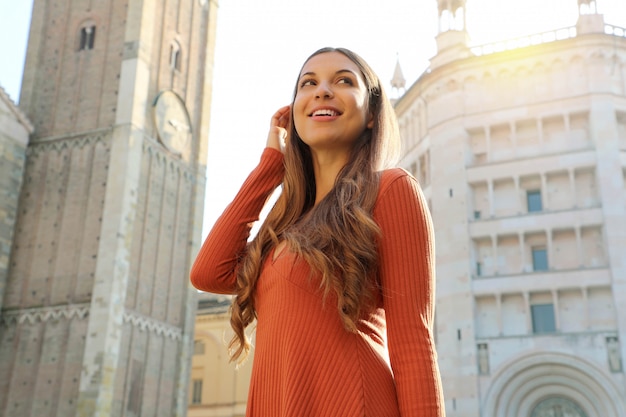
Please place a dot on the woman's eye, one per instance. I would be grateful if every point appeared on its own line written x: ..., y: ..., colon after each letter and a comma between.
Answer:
x: 345, y: 80
x: 306, y: 83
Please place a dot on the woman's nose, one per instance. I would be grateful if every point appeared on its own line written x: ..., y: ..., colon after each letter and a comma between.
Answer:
x: 323, y: 90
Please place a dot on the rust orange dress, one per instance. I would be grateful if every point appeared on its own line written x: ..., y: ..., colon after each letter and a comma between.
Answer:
x: 305, y: 363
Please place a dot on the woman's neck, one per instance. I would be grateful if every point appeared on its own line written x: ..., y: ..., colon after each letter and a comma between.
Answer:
x: 326, y: 168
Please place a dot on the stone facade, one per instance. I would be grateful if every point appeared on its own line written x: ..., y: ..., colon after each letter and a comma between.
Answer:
x: 97, y: 315
x: 520, y: 148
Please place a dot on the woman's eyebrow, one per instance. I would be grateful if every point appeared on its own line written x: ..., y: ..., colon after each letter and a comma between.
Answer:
x: 311, y: 73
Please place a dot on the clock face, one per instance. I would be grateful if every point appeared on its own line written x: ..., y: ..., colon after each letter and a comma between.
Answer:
x: 172, y: 121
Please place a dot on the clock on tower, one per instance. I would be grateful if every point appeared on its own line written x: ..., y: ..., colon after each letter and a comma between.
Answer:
x: 172, y: 121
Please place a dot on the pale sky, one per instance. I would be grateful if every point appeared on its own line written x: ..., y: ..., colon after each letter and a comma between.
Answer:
x: 262, y: 44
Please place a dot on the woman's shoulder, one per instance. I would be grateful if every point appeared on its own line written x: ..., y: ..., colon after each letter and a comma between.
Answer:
x: 390, y: 176
x: 397, y: 186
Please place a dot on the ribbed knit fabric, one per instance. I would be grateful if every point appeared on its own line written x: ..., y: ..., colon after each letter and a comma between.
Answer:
x: 305, y: 363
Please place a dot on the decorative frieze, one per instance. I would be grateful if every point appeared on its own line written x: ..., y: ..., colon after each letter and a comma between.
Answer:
x: 80, y: 312
x: 151, y: 325
x: 70, y: 142
x: 44, y: 314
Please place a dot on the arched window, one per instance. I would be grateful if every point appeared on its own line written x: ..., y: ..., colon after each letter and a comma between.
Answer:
x: 451, y: 15
x: 87, y: 37
x: 587, y: 7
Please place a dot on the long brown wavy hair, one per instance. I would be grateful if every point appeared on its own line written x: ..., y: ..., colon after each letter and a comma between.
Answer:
x: 336, y: 236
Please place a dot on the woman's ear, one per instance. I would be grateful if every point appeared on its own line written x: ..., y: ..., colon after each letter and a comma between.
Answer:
x: 370, y: 122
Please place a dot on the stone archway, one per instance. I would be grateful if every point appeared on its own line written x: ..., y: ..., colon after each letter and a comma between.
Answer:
x: 519, y: 387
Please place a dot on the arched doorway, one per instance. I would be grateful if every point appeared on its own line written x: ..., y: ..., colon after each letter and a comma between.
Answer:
x: 520, y: 387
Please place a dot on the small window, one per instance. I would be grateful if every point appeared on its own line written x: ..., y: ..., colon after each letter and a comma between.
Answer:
x: 175, y: 56
x: 543, y: 318
x: 533, y: 199
x: 479, y: 269
x: 540, y: 259
x: 477, y: 214
x: 87, y: 38
x: 196, y: 397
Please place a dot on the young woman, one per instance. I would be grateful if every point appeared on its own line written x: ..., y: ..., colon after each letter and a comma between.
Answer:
x: 340, y: 278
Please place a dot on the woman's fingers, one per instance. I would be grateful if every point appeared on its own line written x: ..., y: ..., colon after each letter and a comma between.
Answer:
x: 281, y: 117
x: 277, y: 136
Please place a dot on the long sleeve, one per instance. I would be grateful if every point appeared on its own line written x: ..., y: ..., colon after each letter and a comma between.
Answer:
x: 407, y: 274
x: 214, y: 269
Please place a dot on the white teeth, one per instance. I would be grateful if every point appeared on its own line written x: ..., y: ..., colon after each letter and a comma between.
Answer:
x: 324, y: 112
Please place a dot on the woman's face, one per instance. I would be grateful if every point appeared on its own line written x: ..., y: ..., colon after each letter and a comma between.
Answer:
x: 330, y: 110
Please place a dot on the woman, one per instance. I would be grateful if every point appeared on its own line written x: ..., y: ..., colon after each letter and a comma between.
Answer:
x: 340, y: 277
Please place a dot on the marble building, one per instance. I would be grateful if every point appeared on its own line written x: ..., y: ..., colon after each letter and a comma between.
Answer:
x: 520, y: 147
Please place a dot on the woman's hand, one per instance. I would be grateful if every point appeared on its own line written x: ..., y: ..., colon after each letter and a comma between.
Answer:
x: 277, y: 136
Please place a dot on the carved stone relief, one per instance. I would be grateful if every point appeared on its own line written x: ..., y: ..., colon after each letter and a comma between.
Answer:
x: 557, y: 407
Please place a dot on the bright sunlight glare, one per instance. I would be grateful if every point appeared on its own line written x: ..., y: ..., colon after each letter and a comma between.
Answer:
x: 497, y: 20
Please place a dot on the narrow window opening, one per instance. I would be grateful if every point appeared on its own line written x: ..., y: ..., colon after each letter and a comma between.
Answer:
x: 613, y: 352
x: 175, y: 57
x: 483, y: 359
x: 87, y: 38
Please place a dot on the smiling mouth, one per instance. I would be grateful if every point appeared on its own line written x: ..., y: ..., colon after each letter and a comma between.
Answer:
x: 325, y: 112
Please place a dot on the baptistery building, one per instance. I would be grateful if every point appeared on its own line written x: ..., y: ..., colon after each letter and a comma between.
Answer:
x: 520, y: 148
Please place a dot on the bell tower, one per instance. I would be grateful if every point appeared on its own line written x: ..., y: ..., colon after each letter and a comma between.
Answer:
x: 97, y: 313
